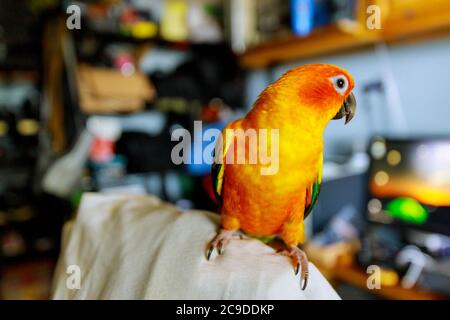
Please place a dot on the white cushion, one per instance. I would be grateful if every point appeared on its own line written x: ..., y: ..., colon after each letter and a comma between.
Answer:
x: 138, y: 247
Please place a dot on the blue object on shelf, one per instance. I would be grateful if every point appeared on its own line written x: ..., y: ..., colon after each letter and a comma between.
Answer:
x: 302, y: 16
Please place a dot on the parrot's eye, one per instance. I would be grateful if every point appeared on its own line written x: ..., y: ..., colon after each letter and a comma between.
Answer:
x: 340, y: 84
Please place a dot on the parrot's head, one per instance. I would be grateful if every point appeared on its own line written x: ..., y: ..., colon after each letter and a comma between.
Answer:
x: 324, y: 90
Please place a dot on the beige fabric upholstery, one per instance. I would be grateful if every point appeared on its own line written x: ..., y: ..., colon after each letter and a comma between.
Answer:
x: 138, y: 247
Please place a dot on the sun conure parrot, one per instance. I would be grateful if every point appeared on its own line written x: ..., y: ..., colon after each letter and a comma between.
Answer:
x: 299, y: 104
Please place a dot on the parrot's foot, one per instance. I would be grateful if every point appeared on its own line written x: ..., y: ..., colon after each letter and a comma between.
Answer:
x: 300, y: 260
x: 221, y: 240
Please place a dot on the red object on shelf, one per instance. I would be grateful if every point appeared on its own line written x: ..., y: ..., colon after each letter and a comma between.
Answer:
x: 102, y: 150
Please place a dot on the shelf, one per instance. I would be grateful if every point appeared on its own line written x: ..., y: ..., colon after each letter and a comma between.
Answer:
x: 355, y: 276
x: 415, y: 20
x: 325, y: 40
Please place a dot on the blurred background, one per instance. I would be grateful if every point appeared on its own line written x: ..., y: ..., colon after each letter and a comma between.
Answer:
x: 90, y: 92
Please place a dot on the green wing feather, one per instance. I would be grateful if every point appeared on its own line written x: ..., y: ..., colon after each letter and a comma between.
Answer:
x: 312, y: 193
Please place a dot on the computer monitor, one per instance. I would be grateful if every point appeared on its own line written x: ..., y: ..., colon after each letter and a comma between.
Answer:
x: 409, y: 183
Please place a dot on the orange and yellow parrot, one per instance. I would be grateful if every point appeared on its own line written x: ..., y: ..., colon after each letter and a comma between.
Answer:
x: 299, y: 105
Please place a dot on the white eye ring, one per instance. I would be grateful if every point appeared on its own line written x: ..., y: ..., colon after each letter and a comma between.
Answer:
x: 340, y: 83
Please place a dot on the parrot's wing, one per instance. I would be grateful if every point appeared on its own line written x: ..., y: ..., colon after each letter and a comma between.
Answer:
x: 312, y: 193
x: 218, y: 167
x: 217, y: 171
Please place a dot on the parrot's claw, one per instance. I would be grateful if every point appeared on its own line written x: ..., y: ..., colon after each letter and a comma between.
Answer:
x: 300, y: 261
x: 221, y: 240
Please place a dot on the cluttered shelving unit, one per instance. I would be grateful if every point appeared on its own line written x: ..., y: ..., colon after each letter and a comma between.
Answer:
x: 77, y: 74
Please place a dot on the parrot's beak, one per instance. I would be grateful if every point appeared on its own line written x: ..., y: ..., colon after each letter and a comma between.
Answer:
x: 347, y: 109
